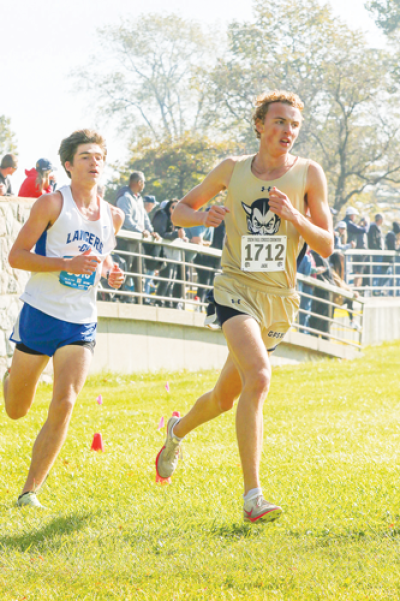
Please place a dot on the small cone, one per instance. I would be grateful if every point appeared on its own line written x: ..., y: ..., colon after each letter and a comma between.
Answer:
x: 97, y: 444
x: 176, y: 414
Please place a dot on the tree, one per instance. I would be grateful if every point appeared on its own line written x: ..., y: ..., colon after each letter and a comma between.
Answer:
x: 149, y: 73
x: 386, y: 14
x: 7, y: 137
x: 351, y: 126
x: 171, y: 168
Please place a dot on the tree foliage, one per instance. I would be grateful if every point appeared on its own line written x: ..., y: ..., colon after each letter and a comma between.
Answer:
x: 149, y: 73
x: 386, y: 14
x: 350, y: 127
x: 7, y: 137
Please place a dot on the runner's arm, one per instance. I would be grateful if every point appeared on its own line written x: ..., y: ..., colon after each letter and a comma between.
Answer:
x: 317, y: 232
x: 186, y: 212
x: 44, y: 213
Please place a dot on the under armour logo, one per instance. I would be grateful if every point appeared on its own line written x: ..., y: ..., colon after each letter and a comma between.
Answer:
x: 237, y: 301
x: 267, y: 189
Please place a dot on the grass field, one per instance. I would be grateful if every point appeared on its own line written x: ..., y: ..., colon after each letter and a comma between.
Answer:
x: 332, y: 433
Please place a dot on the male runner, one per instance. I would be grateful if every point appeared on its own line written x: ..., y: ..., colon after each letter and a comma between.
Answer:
x: 269, y: 195
x: 72, y: 232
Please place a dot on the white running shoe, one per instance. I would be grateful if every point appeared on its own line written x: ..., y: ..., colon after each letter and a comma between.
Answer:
x: 29, y: 499
x: 258, y: 509
x: 167, y: 458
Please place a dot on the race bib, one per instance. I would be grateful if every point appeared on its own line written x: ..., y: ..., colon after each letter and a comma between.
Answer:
x: 263, y: 253
x: 74, y: 280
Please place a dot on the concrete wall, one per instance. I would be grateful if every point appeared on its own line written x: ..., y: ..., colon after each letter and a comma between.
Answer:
x: 381, y: 320
x: 141, y: 338
x: 13, y: 214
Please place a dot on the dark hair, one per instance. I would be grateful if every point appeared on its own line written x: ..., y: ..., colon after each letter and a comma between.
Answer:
x: 69, y: 145
x: 9, y: 160
x: 136, y: 176
x: 396, y: 227
x: 378, y: 217
x: 337, y: 262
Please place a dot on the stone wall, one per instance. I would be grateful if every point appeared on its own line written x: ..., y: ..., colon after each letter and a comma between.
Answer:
x: 13, y: 214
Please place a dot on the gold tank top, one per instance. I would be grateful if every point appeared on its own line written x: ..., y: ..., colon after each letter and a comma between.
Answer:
x: 249, y: 215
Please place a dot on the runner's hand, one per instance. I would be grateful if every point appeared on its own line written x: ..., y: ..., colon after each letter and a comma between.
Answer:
x: 280, y: 204
x: 83, y: 264
x: 215, y: 216
x: 116, y: 277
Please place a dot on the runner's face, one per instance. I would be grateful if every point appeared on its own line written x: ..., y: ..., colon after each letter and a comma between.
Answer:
x: 88, y: 163
x: 280, y: 128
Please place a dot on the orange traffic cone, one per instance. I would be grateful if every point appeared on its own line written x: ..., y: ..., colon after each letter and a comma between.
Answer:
x: 97, y: 444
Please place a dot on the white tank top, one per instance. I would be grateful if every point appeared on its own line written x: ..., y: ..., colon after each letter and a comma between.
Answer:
x: 62, y: 295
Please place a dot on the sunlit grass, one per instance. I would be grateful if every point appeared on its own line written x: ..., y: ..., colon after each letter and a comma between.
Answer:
x: 332, y: 438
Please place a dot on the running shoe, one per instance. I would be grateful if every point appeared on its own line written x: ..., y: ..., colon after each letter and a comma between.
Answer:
x: 167, y: 458
x: 258, y: 509
x: 29, y: 499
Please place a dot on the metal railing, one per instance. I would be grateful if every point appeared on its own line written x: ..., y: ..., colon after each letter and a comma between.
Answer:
x: 373, y: 272
x: 321, y: 311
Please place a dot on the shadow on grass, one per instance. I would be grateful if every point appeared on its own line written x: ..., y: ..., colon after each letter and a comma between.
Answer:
x: 58, y: 528
x: 235, y: 531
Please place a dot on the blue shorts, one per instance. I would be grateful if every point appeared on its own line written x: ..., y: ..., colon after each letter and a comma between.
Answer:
x: 42, y: 334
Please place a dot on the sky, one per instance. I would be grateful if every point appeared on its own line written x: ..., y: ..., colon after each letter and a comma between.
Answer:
x: 43, y: 43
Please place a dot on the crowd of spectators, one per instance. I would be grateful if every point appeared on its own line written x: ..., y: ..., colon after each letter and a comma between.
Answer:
x: 165, y: 269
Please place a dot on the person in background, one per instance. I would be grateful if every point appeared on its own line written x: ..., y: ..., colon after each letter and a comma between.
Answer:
x: 8, y: 166
x: 336, y: 261
x: 39, y: 180
x: 150, y: 265
x: 392, y: 243
x: 375, y: 242
x: 130, y: 201
x: 163, y: 225
x: 358, y: 234
x: 340, y: 234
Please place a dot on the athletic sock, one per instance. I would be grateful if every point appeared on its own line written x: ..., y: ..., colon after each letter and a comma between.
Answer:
x: 252, y: 494
x: 174, y: 435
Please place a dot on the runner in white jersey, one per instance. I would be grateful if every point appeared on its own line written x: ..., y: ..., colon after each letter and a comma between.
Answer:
x: 66, y: 245
x: 275, y: 201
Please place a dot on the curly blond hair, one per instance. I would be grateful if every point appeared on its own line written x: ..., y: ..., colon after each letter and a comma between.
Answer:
x: 264, y: 100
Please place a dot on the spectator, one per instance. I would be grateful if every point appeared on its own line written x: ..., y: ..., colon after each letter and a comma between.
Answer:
x: 129, y: 199
x: 8, y: 167
x: 318, y: 307
x: 375, y: 242
x: 357, y: 233
x: 155, y: 250
x: 336, y: 261
x: 163, y: 225
x: 308, y: 268
x: 341, y: 237
x: 150, y: 204
x: 392, y: 242
x: 38, y: 181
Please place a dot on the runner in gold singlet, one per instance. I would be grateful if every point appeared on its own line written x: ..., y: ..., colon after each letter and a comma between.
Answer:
x: 275, y: 202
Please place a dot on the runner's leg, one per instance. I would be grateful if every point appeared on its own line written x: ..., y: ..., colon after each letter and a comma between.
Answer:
x: 71, y: 366
x: 20, y: 386
x: 213, y: 403
x: 243, y: 335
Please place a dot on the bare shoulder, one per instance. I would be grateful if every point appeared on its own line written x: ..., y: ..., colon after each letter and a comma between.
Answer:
x: 315, y: 173
x: 118, y: 217
x: 47, y: 207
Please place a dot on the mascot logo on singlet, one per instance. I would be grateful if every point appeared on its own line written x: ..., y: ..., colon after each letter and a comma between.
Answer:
x: 260, y: 220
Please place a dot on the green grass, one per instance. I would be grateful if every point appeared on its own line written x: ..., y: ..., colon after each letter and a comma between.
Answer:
x: 332, y: 438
